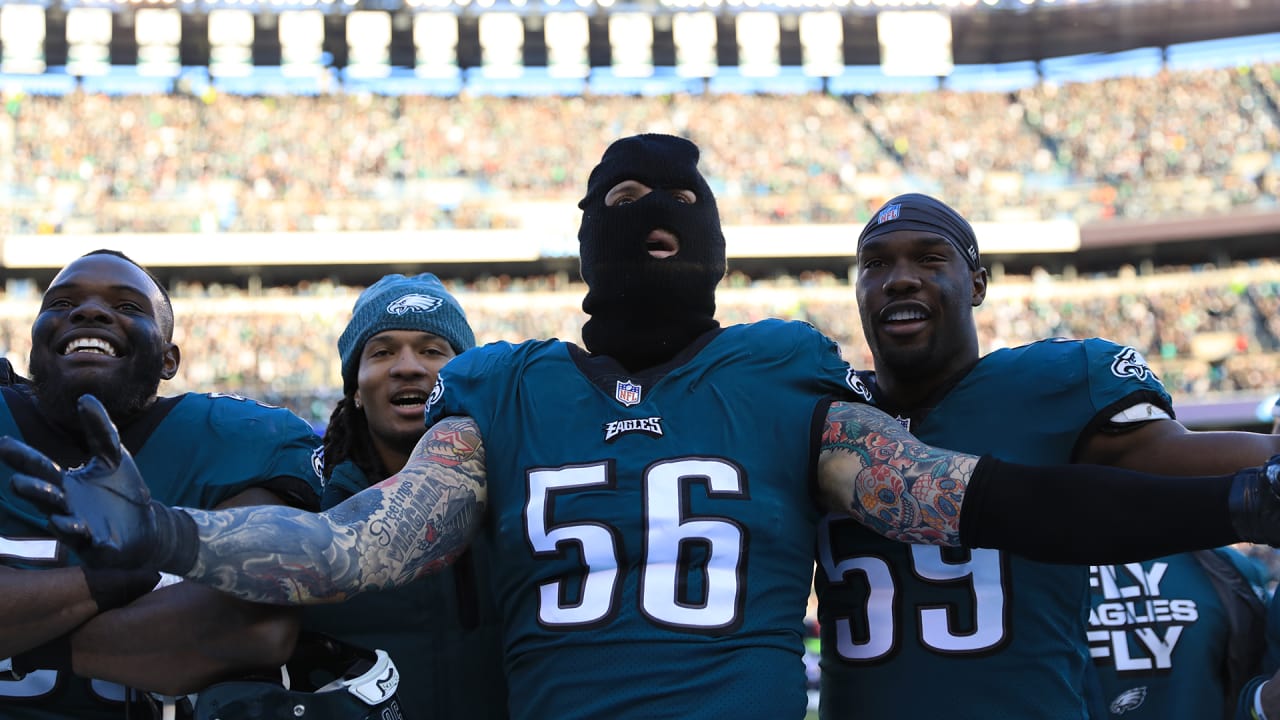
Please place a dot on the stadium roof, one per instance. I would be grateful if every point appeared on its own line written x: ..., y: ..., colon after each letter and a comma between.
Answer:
x: 983, y: 31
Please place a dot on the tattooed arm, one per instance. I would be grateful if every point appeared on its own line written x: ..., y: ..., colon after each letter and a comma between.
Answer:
x: 869, y: 467
x: 415, y: 522
x: 873, y: 469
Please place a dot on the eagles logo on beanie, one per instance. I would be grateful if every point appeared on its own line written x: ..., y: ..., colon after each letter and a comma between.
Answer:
x: 397, y: 302
x: 644, y: 309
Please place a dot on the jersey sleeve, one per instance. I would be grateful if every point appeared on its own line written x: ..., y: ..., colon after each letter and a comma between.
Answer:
x: 1119, y: 379
x: 821, y: 356
x: 1270, y: 663
x: 345, y: 481
x: 465, y: 383
x: 274, y: 449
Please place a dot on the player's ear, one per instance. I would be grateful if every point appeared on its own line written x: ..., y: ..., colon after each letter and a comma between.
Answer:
x: 172, y: 359
x: 979, y: 286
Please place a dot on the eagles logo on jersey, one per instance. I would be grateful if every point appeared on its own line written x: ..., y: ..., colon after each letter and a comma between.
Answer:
x: 317, y: 463
x: 1128, y: 700
x: 651, y: 426
x: 1130, y: 363
x: 437, y: 392
x: 857, y: 386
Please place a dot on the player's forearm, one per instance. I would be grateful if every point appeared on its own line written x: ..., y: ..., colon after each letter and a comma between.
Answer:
x: 871, y: 469
x: 414, y: 523
x: 875, y: 471
x: 39, y: 605
x: 181, y: 638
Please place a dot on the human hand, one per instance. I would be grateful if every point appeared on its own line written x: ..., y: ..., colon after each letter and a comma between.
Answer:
x: 1254, y: 503
x: 103, y: 508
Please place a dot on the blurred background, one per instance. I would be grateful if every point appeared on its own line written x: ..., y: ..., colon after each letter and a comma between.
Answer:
x: 268, y: 158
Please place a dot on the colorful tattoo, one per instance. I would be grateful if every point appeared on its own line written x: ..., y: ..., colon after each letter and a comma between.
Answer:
x: 900, y: 487
x: 408, y: 525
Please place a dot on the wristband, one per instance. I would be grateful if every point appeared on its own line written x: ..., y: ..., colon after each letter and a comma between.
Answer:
x: 1256, y: 711
x: 111, y: 588
x: 53, y: 655
x: 177, y: 541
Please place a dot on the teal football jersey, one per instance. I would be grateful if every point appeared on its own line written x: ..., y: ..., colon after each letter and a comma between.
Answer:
x: 1270, y: 660
x: 652, y: 532
x: 914, y: 631
x: 1159, y: 632
x: 442, y: 631
x: 195, y: 450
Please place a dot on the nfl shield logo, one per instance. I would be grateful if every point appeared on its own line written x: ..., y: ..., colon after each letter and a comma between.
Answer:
x: 628, y: 393
x: 887, y: 214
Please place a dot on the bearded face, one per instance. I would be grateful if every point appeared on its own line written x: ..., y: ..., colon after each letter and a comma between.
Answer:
x: 101, y: 331
x: 124, y: 389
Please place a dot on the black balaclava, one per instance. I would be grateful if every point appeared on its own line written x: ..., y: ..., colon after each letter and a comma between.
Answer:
x: 643, y: 309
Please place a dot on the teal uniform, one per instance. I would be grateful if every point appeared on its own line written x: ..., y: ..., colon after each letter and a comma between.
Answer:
x: 652, y: 532
x: 913, y: 631
x: 1160, y: 634
x: 442, y: 631
x: 195, y: 450
x: 1270, y: 661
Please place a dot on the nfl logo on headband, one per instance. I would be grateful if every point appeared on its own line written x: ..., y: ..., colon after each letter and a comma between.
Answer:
x: 887, y: 214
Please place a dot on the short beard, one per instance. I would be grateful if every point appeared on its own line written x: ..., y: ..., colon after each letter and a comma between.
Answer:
x: 913, y: 364
x: 123, y: 397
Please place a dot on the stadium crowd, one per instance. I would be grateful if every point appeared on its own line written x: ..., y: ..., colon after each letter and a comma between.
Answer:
x: 182, y: 162
x: 1204, y: 331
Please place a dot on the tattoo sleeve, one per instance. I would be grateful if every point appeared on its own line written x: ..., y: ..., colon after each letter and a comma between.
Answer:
x: 878, y: 473
x: 410, y: 524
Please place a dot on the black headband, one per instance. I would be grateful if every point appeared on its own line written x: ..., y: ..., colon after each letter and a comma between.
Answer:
x: 914, y: 211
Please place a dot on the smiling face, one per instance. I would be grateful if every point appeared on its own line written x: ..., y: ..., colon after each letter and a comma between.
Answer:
x: 398, y: 368
x: 104, y: 328
x: 916, y: 296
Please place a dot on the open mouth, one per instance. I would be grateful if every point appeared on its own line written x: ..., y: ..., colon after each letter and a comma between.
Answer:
x: 661, y: 244
x: 905, y: 315
x: 904, y: 319
x: 93, y: 346
x: 409, y: 399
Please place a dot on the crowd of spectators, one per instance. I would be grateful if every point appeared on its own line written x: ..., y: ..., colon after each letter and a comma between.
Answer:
x: 1184, y: 141
x: 1205, y: 332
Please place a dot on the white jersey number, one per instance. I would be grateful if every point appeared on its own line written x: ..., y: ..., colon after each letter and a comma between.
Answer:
x: 669, y: 531
x: 983, y: 572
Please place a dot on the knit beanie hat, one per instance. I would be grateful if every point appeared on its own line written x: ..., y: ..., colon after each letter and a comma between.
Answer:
x: 644, y: 309
x: 397, y: 302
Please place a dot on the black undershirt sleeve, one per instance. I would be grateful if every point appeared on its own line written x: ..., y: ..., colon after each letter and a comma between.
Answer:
x: 1091, y: 514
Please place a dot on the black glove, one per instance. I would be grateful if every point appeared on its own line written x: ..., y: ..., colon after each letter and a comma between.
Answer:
x: 1254, y: 503
x: 103, y: 508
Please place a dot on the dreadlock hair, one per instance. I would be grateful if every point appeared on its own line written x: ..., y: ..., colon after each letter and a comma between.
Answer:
x: 347, y: 438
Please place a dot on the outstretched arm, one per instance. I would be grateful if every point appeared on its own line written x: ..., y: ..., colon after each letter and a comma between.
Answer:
x: 413, y: 523
x: 410, y: 524
x: 873, y: 470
